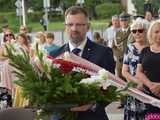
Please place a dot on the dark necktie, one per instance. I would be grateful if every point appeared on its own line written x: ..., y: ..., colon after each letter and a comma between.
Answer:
x: 76, y: 51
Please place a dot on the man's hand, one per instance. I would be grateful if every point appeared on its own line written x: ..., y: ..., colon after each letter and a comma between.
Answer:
x: 82, y: 108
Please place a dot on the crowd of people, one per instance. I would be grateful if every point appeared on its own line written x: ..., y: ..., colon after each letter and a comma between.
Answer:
x: 21, y: 41
x: 135, y: 47
x: 131, y: 50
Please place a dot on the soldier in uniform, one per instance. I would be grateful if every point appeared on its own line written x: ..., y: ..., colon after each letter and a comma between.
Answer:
x: 120, y: 42
x: 120, y: 45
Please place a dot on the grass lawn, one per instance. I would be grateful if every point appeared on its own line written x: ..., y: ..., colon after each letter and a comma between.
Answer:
x: 14, y: 23
x: 95, y: 24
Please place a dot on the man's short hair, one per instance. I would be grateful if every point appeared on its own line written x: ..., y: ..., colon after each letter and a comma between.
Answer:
x: 76, y: 10
x: 115, y: 17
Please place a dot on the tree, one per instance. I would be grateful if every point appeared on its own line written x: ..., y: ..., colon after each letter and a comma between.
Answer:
x: 92, y: 4
x: 7, y: 5
x: 139, y: 3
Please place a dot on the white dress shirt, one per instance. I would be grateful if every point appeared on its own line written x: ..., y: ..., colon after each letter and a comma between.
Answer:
x: 81, y: 46
x: 110, y: 35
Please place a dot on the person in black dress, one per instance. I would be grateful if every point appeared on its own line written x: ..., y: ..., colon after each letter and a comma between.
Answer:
x: 148, y: 69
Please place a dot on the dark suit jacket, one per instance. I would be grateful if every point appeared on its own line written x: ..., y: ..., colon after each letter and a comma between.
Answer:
x: 101, y: 56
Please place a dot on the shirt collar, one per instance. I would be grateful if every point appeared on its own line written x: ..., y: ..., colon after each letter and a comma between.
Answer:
x: 124, y: 29
x: 81, y: 46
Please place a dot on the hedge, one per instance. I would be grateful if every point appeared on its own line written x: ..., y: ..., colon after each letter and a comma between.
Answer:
x: 107, y: 10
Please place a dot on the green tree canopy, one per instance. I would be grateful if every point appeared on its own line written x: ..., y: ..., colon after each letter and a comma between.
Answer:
x: 139, y: 4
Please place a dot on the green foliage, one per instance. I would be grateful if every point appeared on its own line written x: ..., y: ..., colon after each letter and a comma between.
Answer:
x: 91, y: 6
x: 53, y: 17
x: 11, y: 19
x: 139, y: 5
x: 34, y: 17
x: 107, y: 10
x: 115, y: 1
x: 7, y: 5
x: 68, y: 3
x: 58, y: 88
x: 37, y: 5
x: 49, y: 85
x: 155, y: 4
x: 55, y: 22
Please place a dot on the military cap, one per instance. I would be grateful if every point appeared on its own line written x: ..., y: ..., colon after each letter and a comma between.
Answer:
x: 124, y: 16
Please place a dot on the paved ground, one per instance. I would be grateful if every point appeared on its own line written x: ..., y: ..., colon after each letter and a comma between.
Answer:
x: 114, y: 113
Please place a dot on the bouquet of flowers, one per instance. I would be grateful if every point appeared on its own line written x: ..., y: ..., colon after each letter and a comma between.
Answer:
x: 59, y: 84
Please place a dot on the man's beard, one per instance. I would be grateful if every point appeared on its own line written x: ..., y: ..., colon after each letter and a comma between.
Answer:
x: 76, y: 40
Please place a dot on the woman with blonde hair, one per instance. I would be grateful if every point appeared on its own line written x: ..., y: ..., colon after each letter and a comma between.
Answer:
x: 148, y: 69
x: 40, y: 40
x: 133, y: 109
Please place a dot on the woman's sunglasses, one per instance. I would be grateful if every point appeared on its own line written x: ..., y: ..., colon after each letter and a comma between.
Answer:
x: 8, y: 35
x: 138, y: 30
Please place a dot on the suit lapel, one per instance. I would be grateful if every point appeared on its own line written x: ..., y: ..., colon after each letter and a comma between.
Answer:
x: 88, y: 50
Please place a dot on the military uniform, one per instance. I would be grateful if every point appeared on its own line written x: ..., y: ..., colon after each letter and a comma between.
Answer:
x: 120, y: 44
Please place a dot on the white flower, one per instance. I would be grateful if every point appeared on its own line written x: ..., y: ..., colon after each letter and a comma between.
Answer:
x: 93, y: 79
x: 36, y: 59
x: 39, y: 111
x: 56, y: 65
x: 99, y: 78
x: 107, y: 83
x: 103, y: 74
x: 66, y: 56
x: 48, y: 61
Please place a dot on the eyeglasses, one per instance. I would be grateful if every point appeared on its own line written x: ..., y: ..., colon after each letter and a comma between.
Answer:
x: 79, y: 25
x: 138, y: 30
x: 8, y: 35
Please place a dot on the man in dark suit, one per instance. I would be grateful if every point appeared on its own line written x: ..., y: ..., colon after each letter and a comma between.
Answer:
x: 77, y: 25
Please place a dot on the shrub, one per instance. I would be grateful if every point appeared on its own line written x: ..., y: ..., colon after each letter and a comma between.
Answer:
x: 107, y: 10
x: 35, y: 16
x: 11, y: 19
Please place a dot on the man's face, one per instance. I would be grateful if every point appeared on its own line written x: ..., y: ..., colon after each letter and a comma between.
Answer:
x: 123, y: 23
x: 115, y: 23
x: 148, y: 16
x: 76, y: 27
x: 49, y: 40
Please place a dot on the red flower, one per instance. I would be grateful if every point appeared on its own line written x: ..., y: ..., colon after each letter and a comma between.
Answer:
x: 65, y: 66
x: 50, y: 57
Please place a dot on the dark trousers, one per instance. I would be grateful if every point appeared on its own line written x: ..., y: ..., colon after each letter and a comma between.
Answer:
x: 98, y: 114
